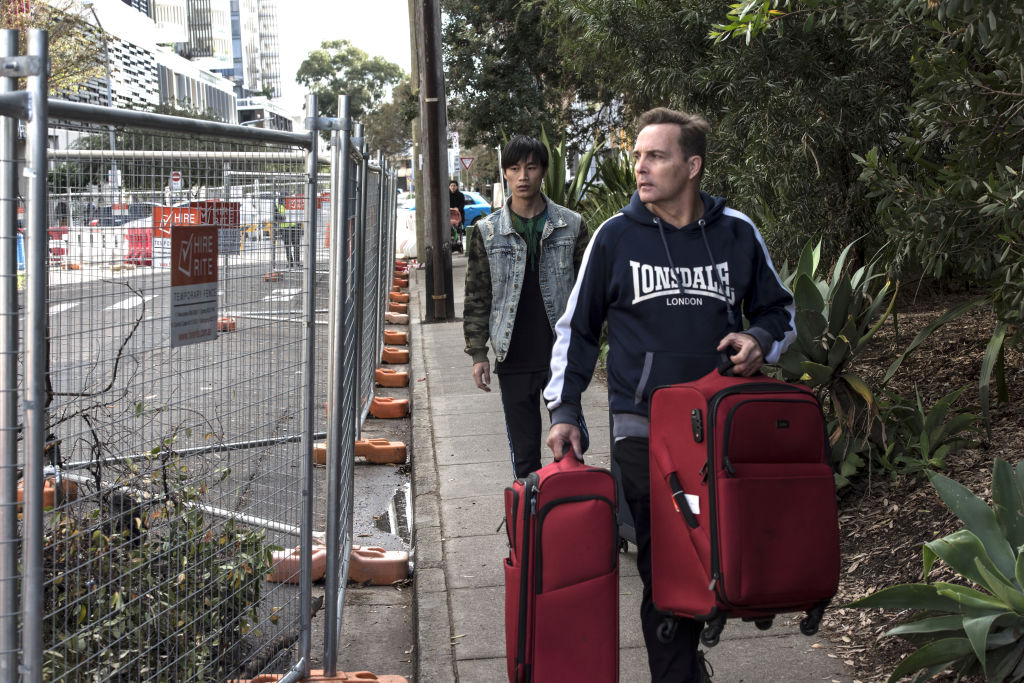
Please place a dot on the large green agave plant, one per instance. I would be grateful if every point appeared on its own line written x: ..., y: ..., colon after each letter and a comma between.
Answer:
x: 972, y: 629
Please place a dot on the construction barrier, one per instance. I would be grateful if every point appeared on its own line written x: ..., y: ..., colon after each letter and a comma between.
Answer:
x: 395, y: 338
x: 285, y: 567
x: 396, y: 318
x: 386, y: 377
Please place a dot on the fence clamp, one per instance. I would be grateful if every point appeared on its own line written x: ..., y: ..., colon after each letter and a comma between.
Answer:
x: 21, y: 67
x: 323, y: 123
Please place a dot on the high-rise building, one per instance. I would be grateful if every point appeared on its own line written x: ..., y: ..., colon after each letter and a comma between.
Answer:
x: 209, y: 34
x: 255, y: 68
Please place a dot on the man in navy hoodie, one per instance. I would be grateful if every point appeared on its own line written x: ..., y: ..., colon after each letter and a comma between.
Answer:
x: 673, y: 274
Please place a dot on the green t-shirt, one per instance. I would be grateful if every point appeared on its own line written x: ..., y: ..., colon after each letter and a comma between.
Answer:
x: 530, y: 229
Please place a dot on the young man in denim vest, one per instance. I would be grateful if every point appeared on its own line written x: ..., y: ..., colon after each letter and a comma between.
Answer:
x: 522, y: 263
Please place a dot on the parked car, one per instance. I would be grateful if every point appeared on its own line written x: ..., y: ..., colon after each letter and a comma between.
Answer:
x: 476, y: 207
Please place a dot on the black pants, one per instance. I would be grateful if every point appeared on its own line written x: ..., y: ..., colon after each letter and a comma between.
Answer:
x: 520, y: 399
x: 675, y: 661
x: 292, y: 237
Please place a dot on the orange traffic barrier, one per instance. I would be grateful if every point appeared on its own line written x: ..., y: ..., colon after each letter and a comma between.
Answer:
x: 72, y: 266
x: 378, y: 566
x: 319, y: 676
x: 398, y: 308
x: 286, y: 565
x: 392, y: 337
x: 398, y: 297
x: 389, y: 408
x: 272, y: 276
x: 400, y: 281
x: 52, y: 497
x: 262, y: 678
x: 386, y: 377
x: 225, y: 324
x: 394, y: 354
x: 320, y: 453
x: 396, y: 318
x: 381, y: 451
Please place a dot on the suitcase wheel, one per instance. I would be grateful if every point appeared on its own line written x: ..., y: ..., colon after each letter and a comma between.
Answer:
x: 764, y: 623
x: 623, y: 545
x: 712, y: 631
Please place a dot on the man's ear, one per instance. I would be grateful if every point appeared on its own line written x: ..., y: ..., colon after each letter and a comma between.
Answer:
x: 695, y: 163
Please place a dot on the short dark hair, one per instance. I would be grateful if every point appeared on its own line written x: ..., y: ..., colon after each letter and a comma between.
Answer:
x: 693, y: 130
x: 453, y: 182
x: 524, y: 148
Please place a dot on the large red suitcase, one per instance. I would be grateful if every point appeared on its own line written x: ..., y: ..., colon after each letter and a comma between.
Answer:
x: 743, y: 507
x: 562, y: 575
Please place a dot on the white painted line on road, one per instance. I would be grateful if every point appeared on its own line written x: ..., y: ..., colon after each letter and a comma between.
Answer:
x: 282, y: 294
x: 66, y: 306
x: 130, y: 302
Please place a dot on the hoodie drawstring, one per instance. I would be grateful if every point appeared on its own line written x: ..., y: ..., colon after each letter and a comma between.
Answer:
x: 711, y: 258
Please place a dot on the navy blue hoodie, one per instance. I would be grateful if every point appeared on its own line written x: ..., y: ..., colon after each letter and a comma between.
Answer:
x: 669, y: 296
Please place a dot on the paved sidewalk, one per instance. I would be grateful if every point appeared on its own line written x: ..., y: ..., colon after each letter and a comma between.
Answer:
x: 461, y: 466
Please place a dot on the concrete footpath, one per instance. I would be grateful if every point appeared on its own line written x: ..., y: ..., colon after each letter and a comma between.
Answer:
x: 461, y: 466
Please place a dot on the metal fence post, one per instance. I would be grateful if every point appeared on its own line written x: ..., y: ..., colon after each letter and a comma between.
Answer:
x: 36, y: 351
x: 8, y: 377
x: 309, y: 396
x: 341, y: 424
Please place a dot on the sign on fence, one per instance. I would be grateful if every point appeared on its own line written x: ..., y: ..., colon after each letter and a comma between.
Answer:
x: 193, y: 284
x: 227, y: 216
x: 164, y: 218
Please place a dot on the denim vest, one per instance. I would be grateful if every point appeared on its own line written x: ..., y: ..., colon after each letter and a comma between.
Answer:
x: 506, y: 255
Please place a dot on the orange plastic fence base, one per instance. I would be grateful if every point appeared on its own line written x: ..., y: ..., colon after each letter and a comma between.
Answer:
x: 394, y: 337
x: 400, y: 282
x: 389, y: 408
x: 320, y: 453
x: 378, y: 566
x: 51, y: 496
x: 398, y: 308
x: 398, y: 297
x: 396, y: 318
x: 72, y: 266
x: 381, y: 451
x: 226, y: 324
x: 386, y: 377
x: 401, y: 264
x: 392, y: 354
x: 286, y: 565
x: 272, y: 276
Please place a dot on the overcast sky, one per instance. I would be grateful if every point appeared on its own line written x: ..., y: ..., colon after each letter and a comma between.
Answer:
x: 378, y: 27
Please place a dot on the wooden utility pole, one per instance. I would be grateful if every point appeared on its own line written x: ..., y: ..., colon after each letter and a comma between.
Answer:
x: 430, y: 189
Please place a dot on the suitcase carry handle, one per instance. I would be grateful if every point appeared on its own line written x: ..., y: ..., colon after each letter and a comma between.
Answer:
x: 567, y: 462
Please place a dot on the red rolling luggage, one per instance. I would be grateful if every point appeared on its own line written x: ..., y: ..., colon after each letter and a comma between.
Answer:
x: 562, y: 575
x: 743, y: 508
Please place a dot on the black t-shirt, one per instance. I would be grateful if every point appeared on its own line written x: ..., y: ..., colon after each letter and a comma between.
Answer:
x: 529, y: 349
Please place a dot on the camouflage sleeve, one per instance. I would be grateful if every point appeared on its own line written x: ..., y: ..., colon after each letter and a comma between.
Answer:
x: 582, y: 240
x: 476, y: 312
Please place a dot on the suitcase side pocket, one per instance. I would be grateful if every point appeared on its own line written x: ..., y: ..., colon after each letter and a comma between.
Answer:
x: 578, y: 536
x: 778, y: 536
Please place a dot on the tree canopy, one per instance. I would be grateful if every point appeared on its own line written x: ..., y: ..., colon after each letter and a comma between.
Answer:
x: 73, y: 61
x: 337, y: 68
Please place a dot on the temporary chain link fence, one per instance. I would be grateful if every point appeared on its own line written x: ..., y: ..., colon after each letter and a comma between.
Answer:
x: 169, y: 345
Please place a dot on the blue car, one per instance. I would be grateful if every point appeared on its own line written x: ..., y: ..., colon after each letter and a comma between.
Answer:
x: 476, y: 207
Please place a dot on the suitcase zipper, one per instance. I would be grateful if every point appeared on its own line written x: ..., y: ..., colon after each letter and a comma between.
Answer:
x: 526, y: 537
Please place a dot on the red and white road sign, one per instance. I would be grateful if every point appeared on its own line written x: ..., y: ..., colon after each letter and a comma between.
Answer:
x: 175, y: 180
x: 466, y: 162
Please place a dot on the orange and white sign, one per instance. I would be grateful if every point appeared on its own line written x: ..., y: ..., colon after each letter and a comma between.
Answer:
x: 193, y: 255
x: 165, y: 218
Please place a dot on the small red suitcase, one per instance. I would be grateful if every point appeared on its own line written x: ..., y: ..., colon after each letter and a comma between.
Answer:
x: 743, y: 508
x: 562, y: 575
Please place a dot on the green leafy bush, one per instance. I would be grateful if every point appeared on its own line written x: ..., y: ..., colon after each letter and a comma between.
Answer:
x: 976, y: 629
x: 176, y: 599
x: 834, y: 321
x: 921, y: 438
